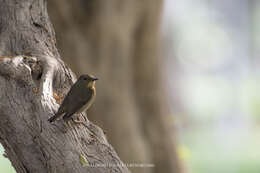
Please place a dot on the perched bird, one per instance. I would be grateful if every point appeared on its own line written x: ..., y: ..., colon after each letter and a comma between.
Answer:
x: 80, y: 97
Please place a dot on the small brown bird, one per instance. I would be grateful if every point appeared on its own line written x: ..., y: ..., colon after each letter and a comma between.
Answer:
x: 80, y: 97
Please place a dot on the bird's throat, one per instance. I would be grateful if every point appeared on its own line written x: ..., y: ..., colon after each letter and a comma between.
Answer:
x: 91, y: 85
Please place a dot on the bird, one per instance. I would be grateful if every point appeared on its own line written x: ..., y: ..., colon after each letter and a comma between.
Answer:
x: 79, y: 98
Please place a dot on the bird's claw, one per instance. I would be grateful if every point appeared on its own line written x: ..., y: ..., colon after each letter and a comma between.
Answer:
x: 80, y: 120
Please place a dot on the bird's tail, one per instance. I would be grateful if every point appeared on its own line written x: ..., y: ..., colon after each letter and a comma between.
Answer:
x: 67, y: 117
x: 54, y: 118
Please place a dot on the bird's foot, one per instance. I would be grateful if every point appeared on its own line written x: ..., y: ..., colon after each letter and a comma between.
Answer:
x: 80, y: 120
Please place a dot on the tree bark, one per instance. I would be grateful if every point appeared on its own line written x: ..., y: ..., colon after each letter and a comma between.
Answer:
x: 119, y: 41
x: 34, y: 80
x: 96, y: 24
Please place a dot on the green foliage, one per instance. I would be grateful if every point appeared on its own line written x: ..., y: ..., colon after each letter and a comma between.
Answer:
x: 83, y: 160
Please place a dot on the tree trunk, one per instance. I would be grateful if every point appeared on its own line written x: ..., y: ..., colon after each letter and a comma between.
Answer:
x: 119, y: 41
x: 33, y: 80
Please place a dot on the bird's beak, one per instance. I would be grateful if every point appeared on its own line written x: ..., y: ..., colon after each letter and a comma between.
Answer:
x: 95, y: 79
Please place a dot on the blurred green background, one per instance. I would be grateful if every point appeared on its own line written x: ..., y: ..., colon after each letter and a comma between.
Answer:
x: 5, y: 164
x: 211, y: 62
x: 212, y: 48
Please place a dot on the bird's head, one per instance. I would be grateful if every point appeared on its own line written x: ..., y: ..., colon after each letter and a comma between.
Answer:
x: 88, y: 80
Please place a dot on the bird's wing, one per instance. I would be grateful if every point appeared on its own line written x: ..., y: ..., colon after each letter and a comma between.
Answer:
x: 79, y: 102
x: 69, y: 98
x: 65, y: 103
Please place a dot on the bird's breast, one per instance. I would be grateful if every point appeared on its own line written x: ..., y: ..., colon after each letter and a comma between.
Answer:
x: 89, y: 102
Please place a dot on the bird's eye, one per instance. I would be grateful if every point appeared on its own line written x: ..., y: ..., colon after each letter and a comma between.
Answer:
x: 85, y: 78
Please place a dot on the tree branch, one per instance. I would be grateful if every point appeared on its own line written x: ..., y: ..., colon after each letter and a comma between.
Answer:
x: 31, y: 88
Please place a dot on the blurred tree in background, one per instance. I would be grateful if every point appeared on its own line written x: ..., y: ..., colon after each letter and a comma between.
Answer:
x: 118, y: 41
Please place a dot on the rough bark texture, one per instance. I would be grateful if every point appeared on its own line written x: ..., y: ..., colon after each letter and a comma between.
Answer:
x: 118, y: 41
x: 33, y: 79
